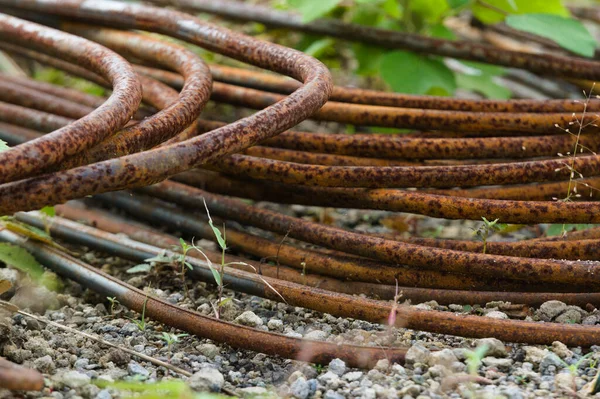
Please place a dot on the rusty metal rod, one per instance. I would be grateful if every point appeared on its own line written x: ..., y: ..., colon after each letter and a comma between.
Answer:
x: 207, y: 327
x: 21, y: 161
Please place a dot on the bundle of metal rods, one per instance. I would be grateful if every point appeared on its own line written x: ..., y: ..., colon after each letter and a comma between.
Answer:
x: 466, y: 159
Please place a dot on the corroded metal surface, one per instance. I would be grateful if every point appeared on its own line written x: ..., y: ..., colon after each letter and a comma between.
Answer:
x: 463, y: 159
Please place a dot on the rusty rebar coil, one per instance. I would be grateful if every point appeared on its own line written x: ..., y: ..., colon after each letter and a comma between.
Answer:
x: 471, y: 159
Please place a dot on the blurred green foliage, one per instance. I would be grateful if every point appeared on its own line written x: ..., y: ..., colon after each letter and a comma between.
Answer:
x: 412, y: 73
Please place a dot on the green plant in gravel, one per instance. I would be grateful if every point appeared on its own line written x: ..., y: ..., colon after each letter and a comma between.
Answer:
x: 219, y: 272
x: 573, y: 368
x: 474, y: 358
x: 141, y: 323
x: 185, y: 247
x: 408, y: 72
x: 171, y: 389
x: 487, y: 229
x: 171, y: 339
x: 114, y: 302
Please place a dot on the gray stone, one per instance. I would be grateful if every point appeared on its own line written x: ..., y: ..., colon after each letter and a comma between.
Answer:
x: 438, y: 371
x: 412, y: 390
x: 316, y: 335
x: 134, y: 368
x: 208, y: 350
x: 368, y: 393
x: 496, y: 314
x: 500, y: 364
x: 550, y: 359
x: 382, y: 365
x: 534, y: 354
x: 564, y: 380
x: 331, y: 394
x: 207, y: 379
x: 445, y: 358
x: 275, y: 324
x: 104, y: 394
x: 417, y: 354
x: 38, y: 346
x: 252, y: 392
x: 353, y: 376
x: 130, y: 328
x: 89, y: 391
x: 44, y: 364
x: 248, y: 318
x: 512, y: 392
x: 300, y: 388
x: 561, y: 350
x: 329, y: 378
x: 75, y: 379
x: 569, y: 316
x: 294, y: 376
x: 337, y: 366
x: 81, y: 364
x: 495, y: 347
x: 551, y: 309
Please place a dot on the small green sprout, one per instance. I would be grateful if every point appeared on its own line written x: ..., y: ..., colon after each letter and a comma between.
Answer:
x: 113, y: 303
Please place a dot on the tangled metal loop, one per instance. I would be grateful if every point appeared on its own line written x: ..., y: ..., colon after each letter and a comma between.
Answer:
x: 469, y: 159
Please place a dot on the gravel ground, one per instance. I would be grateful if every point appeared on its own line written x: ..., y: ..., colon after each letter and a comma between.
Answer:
x: 437, y: 366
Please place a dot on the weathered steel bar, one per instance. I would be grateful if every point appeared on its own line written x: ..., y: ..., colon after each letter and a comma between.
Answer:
x: 495, y: 266
x: 419, y: 148
x: 141, y: 169
x: 177, y: 114
x: 18, y: 378
x: 22, y: 161
x: 441, y: 176
x: 371, y: 115
x: 336, y: 264
x: 14, y: 134
x: 543, y: 64
x: 277, y: 84
x: 31, y: 98
x: 317, y: 299
x: 195, y: 323
x: 139, y: 232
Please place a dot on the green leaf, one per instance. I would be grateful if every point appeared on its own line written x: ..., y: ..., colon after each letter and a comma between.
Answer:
x: 555, y: 230
x: 368, y: 58
x: 20, y: 259
x: 430, y: 11
x: 317, y: 48
x: 141, y: 268
x: 216, y: 231
x: 392, y: 8
x: 484, y: 85
x: 216, y: 275
x: 567, y: 32
x: 48, y: 211
x: 439, y: 30
x: 457, y: 3
x: 415, y: 74
x: 160, y: 258
x: 3, y: 146
x: 225, y: 301
x: 485, y: 69
x: 311, y: 10
x: 480, y: 79
x: 490, y: 16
